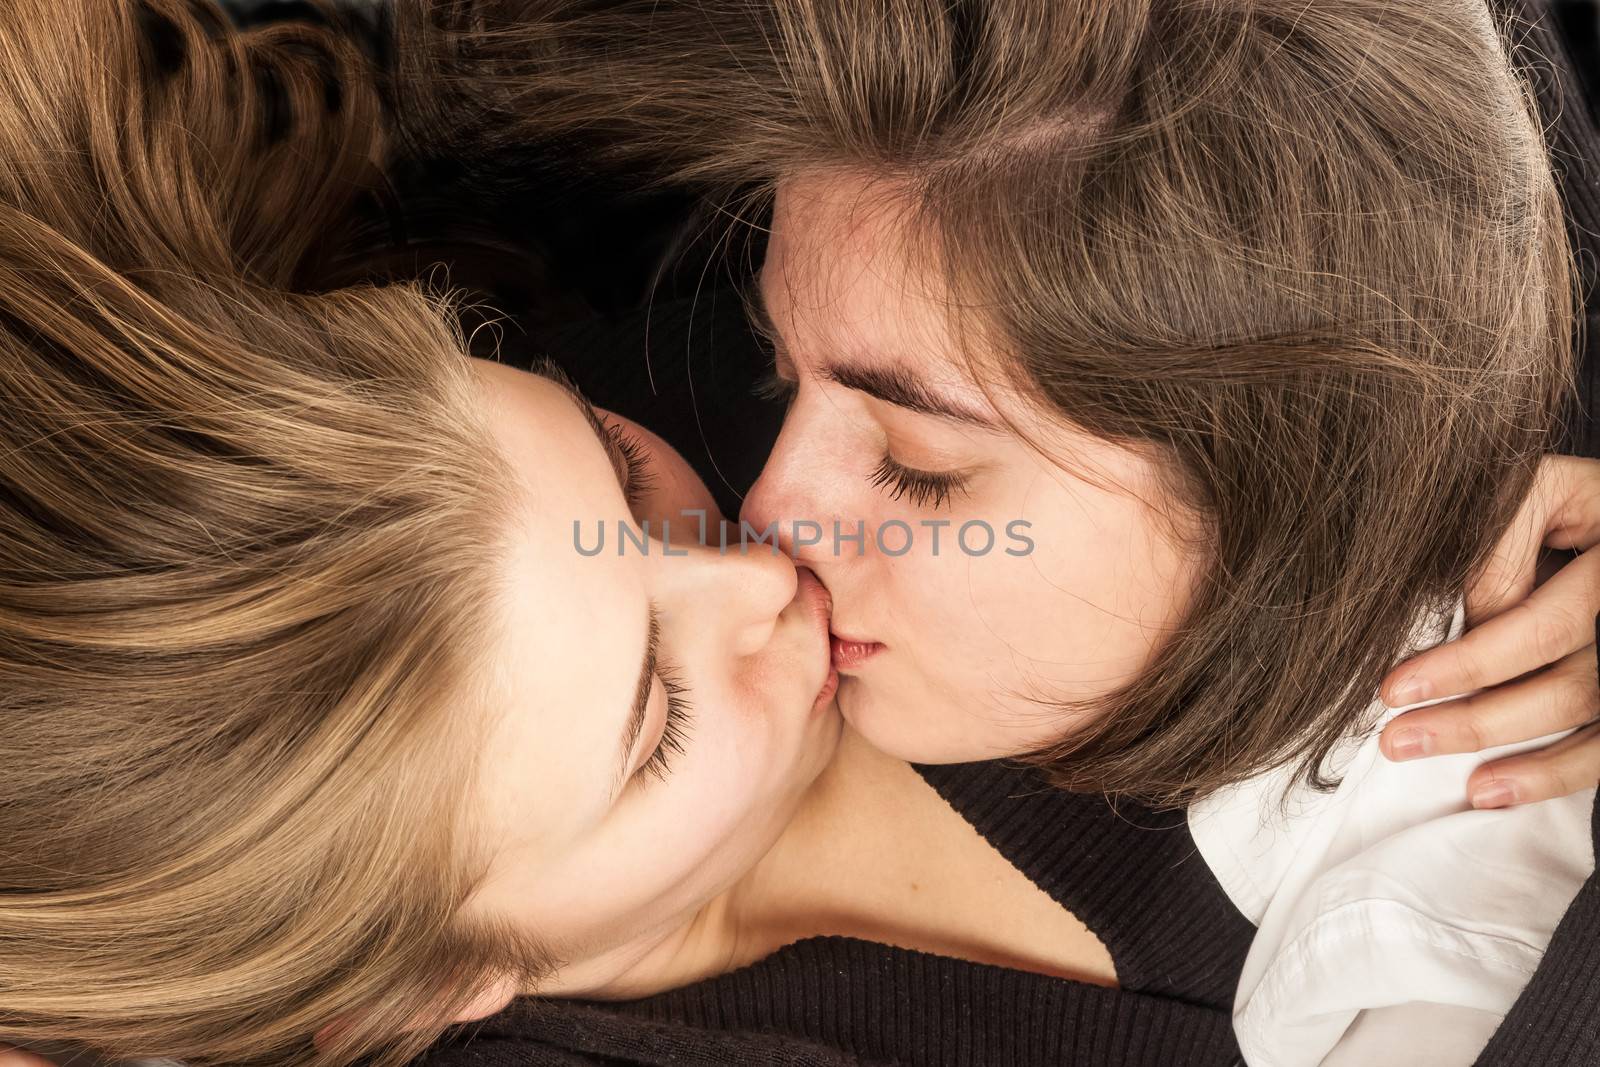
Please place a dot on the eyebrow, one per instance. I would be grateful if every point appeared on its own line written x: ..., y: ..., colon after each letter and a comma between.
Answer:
x: 898, y: 386
x: 892, y: 385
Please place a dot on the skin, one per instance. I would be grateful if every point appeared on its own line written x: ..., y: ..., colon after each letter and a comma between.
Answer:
x: 628, y: 873
x: 977, y: 650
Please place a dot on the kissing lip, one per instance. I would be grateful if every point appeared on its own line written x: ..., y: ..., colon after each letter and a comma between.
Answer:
x: 850, y: 652
x: 819, y: 604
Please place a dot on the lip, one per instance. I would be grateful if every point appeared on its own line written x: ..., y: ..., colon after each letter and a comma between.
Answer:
x: 830, y: 686
x: 848, y: 653
x: 819, y: 606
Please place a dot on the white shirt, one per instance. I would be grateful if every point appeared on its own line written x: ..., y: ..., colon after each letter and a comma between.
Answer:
x: 1395, y: 923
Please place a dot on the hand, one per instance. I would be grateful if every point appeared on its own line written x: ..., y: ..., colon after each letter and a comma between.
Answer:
x: 1531, y: 650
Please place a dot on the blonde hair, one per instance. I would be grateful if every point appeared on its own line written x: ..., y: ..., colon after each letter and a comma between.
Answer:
x: 1308, y: 256
x: 250, y: 544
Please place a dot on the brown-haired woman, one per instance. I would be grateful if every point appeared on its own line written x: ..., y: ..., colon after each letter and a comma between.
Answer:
x: 1155, y: 279
x: 307, y: 627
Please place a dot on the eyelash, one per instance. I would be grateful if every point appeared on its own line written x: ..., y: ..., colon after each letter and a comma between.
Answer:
x: 926, y: 489
x: 640, y: 478
x: 676, y: 731
x: 773, y: 387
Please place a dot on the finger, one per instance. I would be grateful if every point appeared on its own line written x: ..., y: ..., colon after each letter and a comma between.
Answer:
x: 1508, y: 574
x: 1571, y: 764
x: 1565, y: 695
x: 1559, y: 512
x: 1555, y: 620
x: 1573, y: 484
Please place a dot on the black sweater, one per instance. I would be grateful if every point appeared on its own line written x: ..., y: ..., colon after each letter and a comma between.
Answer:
x: 1129, y: 872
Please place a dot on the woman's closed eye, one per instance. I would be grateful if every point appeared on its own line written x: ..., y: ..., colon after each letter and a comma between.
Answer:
x: 639, y: 480
x: 627, y: 453
x: 924, y: 488
x: 675, y: 731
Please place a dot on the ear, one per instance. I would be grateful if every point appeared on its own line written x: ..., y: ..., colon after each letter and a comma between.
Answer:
x: 490, y: 1002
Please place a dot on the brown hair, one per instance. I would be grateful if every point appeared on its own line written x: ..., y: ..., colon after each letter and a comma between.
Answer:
x: 1310, y: 256
x: 249, y: 545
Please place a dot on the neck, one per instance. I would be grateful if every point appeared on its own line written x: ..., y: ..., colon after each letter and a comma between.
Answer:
x: 828, y: 863
x: 873, y: 853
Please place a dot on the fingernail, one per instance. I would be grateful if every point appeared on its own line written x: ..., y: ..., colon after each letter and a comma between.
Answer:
x: 1410, y: 743
x: 1410, y: 691
x: 1494, y: 795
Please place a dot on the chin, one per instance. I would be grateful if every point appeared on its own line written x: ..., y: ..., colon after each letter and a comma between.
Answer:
x: 902, y: 736
x: 895, y: 729
x: 827, y: 729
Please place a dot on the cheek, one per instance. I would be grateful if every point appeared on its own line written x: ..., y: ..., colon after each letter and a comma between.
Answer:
x: 1088, y: 606
x: 666, y: 850
x: 671, y: 846
x: 1079, y: 614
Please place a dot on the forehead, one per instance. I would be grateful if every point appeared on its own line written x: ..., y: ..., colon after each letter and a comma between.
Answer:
x: 849, y: 276
x: 846, y: 239
x: 852, y: 276
x: 564, y: 679
x: 846, y: 264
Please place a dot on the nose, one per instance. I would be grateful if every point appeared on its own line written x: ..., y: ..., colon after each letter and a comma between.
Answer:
x: 734, y: 596
x: 786, y: 503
